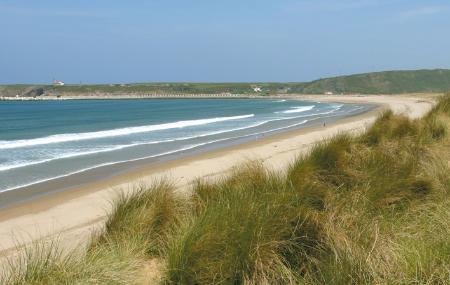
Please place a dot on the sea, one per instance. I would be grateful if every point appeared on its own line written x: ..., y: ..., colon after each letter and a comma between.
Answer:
x: 42, y: 141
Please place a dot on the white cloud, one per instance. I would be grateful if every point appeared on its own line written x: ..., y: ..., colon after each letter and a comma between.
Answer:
x: 328, y: 5
x: 51, y: 12
x: 420, y: 12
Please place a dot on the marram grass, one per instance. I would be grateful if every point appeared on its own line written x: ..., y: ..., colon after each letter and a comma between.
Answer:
x: 371, y: 209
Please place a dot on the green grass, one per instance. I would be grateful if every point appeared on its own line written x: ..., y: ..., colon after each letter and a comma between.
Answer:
x: 386, y: 82
x: 134, y: 235
x: 247, y: 228
x: 154, y: 211
x: 370, y: 209
x: 44, y: 263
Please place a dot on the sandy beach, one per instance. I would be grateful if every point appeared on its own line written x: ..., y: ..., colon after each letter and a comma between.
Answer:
x: 73, y: 214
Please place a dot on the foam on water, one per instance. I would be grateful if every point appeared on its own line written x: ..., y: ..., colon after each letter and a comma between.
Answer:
x: 97, y: 166
x: 49, y: 146
x: 298, y: 109
x: 151, y: 156
x: 115, y: 132
x: 19, y: 164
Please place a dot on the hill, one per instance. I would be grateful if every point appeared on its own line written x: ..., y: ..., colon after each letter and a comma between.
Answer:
x: 387, y: 82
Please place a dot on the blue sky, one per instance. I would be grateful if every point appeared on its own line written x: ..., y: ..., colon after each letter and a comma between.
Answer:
x: 221, y: 41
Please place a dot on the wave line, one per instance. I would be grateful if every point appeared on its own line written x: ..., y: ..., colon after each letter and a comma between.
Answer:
x: 60, y: 138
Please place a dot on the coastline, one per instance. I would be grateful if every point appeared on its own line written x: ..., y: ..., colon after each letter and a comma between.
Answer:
x: 74, y: 213
x: 133, y: 96
x: 20, y: 194
x: 129, y: 96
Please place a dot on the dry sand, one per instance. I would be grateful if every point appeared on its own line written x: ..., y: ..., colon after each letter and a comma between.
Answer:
x: 73, y: 214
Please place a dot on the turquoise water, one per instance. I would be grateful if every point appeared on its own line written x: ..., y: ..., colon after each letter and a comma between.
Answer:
x: 45, y: 140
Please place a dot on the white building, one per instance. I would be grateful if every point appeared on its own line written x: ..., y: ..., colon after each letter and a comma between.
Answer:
x: 58, y: 83
x: 328, y: 93
x: 257, y: 89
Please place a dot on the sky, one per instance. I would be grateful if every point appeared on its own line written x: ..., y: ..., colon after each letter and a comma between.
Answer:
x: 93, y: 41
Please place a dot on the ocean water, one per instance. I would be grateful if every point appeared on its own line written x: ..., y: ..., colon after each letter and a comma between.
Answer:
x: 45, y: 140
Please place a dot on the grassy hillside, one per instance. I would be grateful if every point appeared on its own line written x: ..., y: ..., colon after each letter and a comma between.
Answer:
x: 389, y: 82
x: 370, y: 209
x: 150, y: 88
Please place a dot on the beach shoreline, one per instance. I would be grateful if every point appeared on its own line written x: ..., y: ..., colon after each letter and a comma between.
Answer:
x: 74, y: 213
x: 151, y: 96
x: 127, y: 168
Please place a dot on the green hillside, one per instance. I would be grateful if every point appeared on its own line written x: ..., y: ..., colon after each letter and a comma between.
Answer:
x: 387, y: 82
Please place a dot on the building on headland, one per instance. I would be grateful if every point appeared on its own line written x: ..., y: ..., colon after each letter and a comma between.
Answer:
x: 58, y: 82
x: 257, y: 89
x: 328, y: 93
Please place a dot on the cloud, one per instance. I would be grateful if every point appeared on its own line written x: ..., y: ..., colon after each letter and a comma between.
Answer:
x: 328, y: 5
x: 420, y: 12
x: 51, y: 12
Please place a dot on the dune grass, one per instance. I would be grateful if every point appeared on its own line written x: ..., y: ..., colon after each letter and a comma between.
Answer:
x: 370, y: 209
x: 247, y: 228
x: 133, y: 237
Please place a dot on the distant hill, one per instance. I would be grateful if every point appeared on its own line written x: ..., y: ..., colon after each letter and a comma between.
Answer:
x: 387, y: 82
